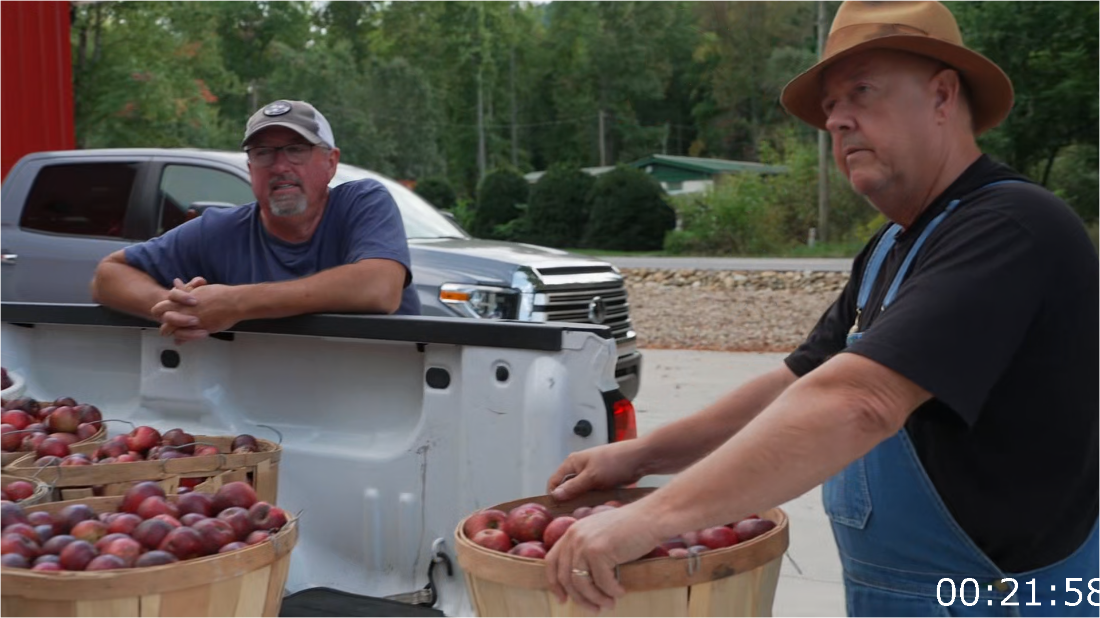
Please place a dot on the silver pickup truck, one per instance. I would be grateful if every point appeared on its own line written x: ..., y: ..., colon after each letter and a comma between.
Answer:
x: 64, y: 211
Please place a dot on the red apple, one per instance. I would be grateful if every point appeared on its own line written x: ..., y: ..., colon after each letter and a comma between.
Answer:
x: 52, y: 447
x: 14, y: 561
x: 206, y: 449
x: 73, y: 515
x: 102, y: 543
x: 89, y: 413
x: 183, y: 441
x: 257, y: 536
x: 86, y: 430
x: 493, y: 539
x: 527, y: 522
x: 64, y: 418
x: 171, y: 521
x: 38, y: 518
x: 12, y: 513
x: 18, y: 544
x: 9, y: 440
x: 128, y: 458
x: 751, y: 528
x: 555, y: 529
x: 245, y: 440
x: 151, y: 533
x: 484, y: 519
x: 68, y: 438
x: 191, y: 519
x: 718, y: 537
x: 581, y: 512
x: 183, y: 543
x: 32, y: 441
x: 124, y: 523
x: 65, y: 401
x: 77, y: 555
x: 52, y: 567
x: 106, y: 562
x: 137, y: 494
x: 17, y: 418
x: 264, y: 516
x: 529, y: 549
x: 191, y: 482
x: 26, y: 530
x: 57, y: 543
x: 114, y: 447
x: 237, y: 493
x: 155, y: 558
x: 155, y: 505
x: 170, y: 454
x: 142, y: 438
x: 216, y: 533
x: 127, y: 548
x: 234, y: 546
x: 48, y: 558
x: 44, y: 532
x: 90, y: 530
x: 239, y: 520
x: 678, y: 552
x: 74, y: 460
x: 20, y: 490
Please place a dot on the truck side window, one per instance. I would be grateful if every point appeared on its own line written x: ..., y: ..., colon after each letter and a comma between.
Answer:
x: 81, y: 199
x: 183, y: 185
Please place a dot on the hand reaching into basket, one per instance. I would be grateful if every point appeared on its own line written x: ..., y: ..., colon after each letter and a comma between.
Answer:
x: 603, y: 467
x: 582, y: 564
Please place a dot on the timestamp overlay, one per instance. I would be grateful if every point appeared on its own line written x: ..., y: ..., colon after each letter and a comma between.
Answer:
x: 1071, y: 592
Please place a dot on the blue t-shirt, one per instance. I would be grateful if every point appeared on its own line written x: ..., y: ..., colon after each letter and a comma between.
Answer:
x: 230, y: 246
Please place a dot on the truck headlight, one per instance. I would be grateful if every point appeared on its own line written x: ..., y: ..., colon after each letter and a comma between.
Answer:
x: 481, y: 301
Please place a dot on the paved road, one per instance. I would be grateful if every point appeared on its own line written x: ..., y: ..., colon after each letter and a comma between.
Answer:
x: 679, y: 382
x: 704, y: 263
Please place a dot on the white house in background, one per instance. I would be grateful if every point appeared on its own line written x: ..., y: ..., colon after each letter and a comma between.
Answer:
x: 679, y: 175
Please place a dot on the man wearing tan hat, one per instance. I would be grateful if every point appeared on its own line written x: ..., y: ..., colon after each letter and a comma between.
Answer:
x: 299, y: 248
x: 947, y: 400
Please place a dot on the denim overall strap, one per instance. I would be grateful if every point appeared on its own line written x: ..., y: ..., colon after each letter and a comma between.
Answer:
x: 897, y: 539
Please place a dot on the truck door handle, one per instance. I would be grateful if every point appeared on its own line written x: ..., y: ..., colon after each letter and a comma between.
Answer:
x: 8, y: 258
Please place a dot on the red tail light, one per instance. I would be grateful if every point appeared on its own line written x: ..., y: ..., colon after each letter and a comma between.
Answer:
x: 626, y: 425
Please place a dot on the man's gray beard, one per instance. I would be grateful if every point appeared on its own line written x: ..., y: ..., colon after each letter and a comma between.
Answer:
x: 289, y: 206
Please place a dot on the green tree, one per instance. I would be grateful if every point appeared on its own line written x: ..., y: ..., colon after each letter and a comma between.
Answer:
x: 559, y: 206
x: 438, y: 192
x: 501, y: 199
x: 629, y: 212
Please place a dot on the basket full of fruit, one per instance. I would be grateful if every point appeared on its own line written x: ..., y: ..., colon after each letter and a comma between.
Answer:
x: 727, y: 570
x: 24, y: 491
x: 147, y: 554
x: 144, y: 454
x: 27, y: 424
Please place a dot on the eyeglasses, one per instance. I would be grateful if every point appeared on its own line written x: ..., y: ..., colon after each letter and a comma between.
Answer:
x: 264, y: 156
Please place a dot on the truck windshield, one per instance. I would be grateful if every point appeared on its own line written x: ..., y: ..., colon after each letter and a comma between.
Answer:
x: 421, y: 219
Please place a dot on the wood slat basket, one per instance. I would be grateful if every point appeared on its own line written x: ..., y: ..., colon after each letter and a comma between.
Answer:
x: 6, y: 459
x: 733, y: 581
x: 246, y: 582
x: 261, y: 469
x: 42, y: 491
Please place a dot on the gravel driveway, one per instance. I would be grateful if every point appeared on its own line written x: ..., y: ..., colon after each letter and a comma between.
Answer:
x: 733, y: 311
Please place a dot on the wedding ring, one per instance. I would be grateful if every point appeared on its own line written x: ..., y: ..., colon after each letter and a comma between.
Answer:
x: 581, y: 573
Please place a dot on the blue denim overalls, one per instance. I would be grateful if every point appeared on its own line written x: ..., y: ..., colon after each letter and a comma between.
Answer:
x: 897, y: 539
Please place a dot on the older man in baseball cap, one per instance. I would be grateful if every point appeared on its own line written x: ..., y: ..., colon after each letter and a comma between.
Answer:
x: 947, y: 400
x: 299, y: 248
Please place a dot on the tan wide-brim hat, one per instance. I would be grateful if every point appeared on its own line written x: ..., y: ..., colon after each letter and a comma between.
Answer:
x: 924, y: 28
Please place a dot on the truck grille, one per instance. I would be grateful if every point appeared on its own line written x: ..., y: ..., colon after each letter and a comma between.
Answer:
x: 579, y: 293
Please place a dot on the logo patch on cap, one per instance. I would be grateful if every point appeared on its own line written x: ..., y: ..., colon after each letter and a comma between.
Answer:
x: 278, y: 108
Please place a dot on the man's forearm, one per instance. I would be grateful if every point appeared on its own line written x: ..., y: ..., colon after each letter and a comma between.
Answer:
x: 677, y: 445
x: 353, y: 288
x: 807, y: 435
x: 127, y: 289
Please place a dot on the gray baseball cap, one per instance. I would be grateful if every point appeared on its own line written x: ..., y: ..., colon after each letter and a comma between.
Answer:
x: 295, y: 115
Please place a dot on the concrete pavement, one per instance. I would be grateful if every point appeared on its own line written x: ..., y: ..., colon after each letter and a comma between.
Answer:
x: 679, y: 382
x: 711, y: 263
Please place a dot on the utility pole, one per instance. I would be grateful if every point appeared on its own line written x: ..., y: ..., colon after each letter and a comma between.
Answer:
x: 822, y: 143
x: 480, y: 128
x: 603, y: 149
x: 515, y: 128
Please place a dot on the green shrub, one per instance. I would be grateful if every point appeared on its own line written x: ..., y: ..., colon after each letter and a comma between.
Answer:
x: 438, y: 192
x: 1074, y: 178
x: 559, y: 207
x: 500, y: 197
x: 629, y: 212
x: 750, y: 214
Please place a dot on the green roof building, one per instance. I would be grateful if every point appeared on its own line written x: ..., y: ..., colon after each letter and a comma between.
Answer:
x: 690, y: 174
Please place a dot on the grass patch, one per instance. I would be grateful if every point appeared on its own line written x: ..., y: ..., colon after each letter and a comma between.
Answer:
x: 847, y: 249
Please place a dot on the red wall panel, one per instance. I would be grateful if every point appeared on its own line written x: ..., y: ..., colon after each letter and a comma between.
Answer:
x: 36, y: 80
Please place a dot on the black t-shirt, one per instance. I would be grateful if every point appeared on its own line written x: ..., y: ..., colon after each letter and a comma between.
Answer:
x: 998, y: 318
